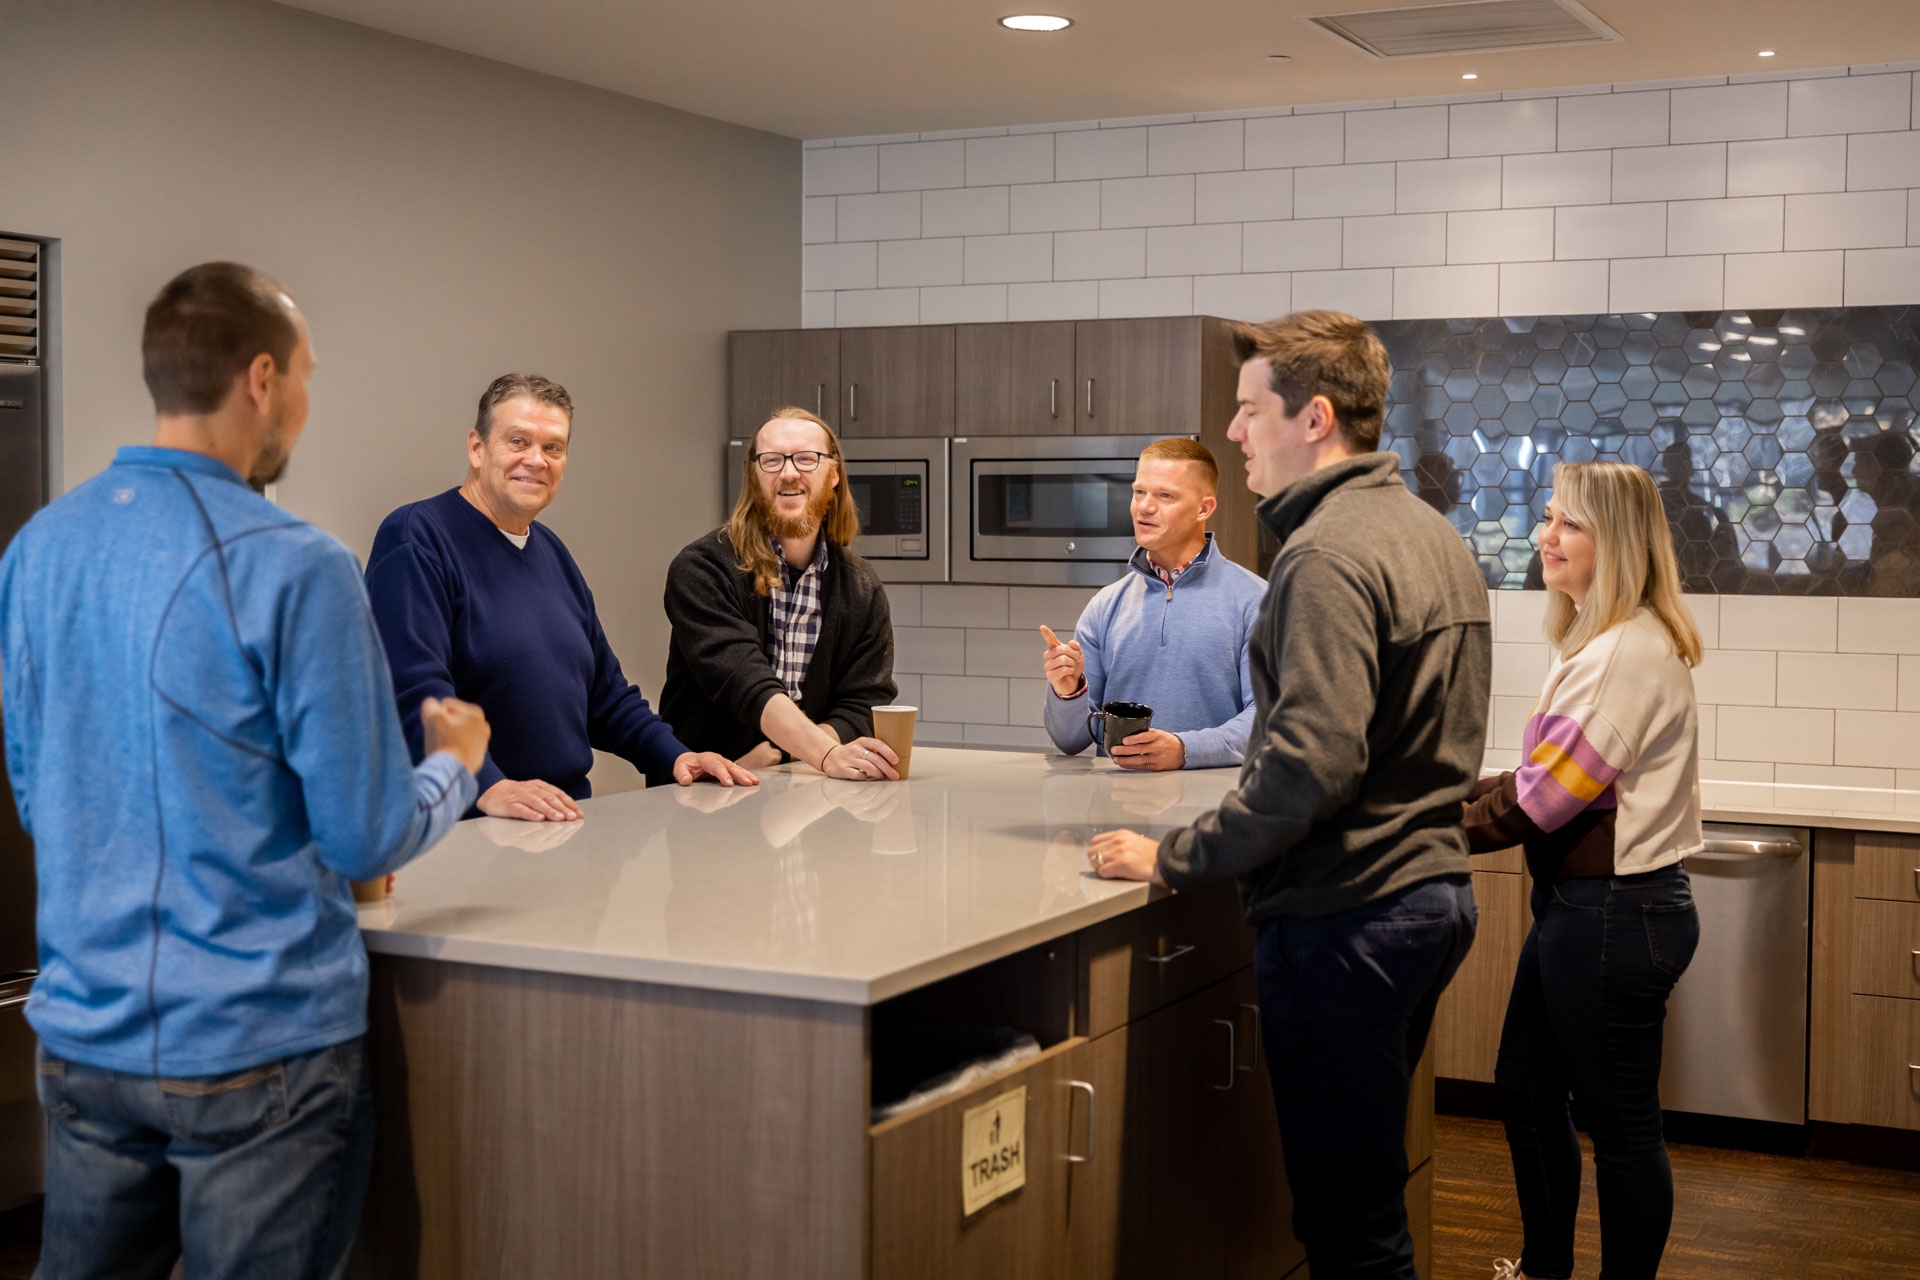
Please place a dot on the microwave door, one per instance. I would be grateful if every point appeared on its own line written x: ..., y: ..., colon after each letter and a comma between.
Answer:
x: 1066, y: 509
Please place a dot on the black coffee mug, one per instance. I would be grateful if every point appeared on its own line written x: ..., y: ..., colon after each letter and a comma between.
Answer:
x: 1118, y: 721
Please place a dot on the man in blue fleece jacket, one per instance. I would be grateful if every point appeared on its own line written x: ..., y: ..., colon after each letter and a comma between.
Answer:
x: 201, y: 740
x: 1171, y: 634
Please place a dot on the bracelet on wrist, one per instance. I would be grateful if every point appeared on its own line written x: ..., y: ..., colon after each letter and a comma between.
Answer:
x: 822, y: 766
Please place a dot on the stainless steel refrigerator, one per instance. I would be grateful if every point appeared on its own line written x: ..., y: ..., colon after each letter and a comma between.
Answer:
x: 22, y: 492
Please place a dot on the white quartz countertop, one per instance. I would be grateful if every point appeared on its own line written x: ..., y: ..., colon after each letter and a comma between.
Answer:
x: 848, y: 892
x: 803, y: 887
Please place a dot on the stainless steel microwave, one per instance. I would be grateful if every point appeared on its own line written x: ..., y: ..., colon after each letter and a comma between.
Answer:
x: 1050, y: 510
x: 899, y: 487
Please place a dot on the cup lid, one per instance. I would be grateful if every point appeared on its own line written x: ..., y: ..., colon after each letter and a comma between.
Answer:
x: 893, y: 708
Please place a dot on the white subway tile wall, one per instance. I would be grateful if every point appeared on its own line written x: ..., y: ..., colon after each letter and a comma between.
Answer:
x: 1795, y: 190
x: 1790, y: 190
x: 1833, y: 700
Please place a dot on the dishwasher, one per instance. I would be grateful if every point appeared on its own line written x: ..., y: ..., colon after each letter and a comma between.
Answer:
x: 1736, y: 1032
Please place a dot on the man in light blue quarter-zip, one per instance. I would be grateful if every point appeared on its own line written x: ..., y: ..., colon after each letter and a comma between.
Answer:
x: 201, y: 738
x: 1171, y: 634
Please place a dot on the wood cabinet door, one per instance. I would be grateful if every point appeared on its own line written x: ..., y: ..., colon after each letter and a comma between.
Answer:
x: 1170, y: 1220
x: 1013, y: 379
x: 1886, y: 1062
x: 896, y: 382
x: 1886, y: 866
x: 1253, y: 1193
x: 920, y: 1228
x: 1466, y: 1026
x: 1097, y: 1132
x: 768, y: 369
x: 1137, y: 377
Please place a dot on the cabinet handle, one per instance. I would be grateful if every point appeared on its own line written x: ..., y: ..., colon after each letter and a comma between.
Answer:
x: 7, y: 1002
x: 1090, y: 414
x: 1179, y: 950
x: 1233, y: 1055
x: 1916, y: 881
x: 819, y: 399
x: 1253, y: 1009
x: 1086, y: 1155
x: 1053, y: 397
x: 853, y: 412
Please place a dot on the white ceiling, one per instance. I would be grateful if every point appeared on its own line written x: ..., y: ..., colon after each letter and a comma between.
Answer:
x: 838, y: 68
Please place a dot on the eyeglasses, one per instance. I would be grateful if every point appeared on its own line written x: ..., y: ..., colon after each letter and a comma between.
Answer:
x: 805, y: 460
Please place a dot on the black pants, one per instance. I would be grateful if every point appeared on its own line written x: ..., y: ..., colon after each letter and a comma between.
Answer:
x: 1346, y: 1002
x: 1585, y: 1020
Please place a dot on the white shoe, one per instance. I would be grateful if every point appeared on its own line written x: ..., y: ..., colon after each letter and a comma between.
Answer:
x: 1506, y: 1269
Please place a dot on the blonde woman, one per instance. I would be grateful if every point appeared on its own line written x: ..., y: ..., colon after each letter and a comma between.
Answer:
x: 1606, y: 806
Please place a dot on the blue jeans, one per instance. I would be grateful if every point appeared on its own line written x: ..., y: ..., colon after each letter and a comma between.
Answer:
x: 1346, y: 1001
x: 257, y: 1173
x: 1584, y: 1021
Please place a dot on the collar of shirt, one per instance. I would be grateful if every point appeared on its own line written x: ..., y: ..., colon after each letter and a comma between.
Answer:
x: 151, y: 455
x: 817, y: 565
x: 1144, y: 563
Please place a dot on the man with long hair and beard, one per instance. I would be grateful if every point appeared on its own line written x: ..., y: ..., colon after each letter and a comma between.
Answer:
x: 782, y: 640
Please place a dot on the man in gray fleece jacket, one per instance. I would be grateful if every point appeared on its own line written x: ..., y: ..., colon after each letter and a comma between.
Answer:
x: 1371, y: 662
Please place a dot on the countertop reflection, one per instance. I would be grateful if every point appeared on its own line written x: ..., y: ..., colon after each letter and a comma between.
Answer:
x: 805, y: 886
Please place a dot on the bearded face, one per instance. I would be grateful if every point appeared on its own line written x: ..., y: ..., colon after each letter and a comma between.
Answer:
x: 775, y: 503
x: 792, y: 503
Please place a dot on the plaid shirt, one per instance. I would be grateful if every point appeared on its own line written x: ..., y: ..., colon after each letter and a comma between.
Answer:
x: 796, y: 619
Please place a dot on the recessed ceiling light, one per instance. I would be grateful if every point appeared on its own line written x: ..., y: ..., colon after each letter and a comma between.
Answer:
x: 1471, y: 75
x: 1035, y: 22
x: 1279, y: 57
x: 1766, y: 53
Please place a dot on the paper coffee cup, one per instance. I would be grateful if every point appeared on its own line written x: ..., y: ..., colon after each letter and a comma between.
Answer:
x: 376, y: 890
x: 894, y: 726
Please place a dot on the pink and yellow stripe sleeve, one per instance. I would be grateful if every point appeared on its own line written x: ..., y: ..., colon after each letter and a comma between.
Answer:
x: 1564, y: 774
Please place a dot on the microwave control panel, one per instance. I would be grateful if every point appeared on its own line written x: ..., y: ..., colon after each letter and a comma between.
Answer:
x: 892, y: 500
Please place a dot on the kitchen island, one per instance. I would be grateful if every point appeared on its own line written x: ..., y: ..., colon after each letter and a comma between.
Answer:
x: 650, y: 1043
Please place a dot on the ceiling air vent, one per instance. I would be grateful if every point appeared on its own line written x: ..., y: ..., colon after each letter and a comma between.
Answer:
x: 19, y: 300
x: 1474, y: 26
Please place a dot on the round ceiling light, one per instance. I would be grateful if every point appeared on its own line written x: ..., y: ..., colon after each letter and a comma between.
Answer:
x: 1471, y: 75
x: 1766, y: 53
x: 1035, y: 22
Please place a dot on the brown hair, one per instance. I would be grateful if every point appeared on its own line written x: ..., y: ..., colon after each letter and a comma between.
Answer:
x: 747, y: 531
x: 1324, y: 353
x: 1181, y: 449
x: 508, y: 385
x: 206, y: 327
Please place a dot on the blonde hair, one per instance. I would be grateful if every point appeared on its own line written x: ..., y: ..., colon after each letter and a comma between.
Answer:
x: 747, y: 531
x: 1181, y: 449
x: 1633, y: 561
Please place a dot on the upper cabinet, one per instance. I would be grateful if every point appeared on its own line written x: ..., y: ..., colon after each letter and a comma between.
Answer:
x: 769, y: 369
x: 1138, y: 377
x: 1014, y: 379
x: 896, y: 382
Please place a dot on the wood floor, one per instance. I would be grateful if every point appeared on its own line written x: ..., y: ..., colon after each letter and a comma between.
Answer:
x: 1736, y: 1214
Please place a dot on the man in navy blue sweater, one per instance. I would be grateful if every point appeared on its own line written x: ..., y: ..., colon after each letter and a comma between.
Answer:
x: 471, y: 595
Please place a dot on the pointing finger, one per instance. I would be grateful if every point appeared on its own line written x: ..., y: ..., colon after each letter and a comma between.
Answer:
x: 1046, y: 633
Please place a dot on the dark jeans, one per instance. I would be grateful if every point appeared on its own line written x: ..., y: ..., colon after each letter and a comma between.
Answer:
x: 258, y: 1173
x: 1589, y: 999
x: 1346, y: 1002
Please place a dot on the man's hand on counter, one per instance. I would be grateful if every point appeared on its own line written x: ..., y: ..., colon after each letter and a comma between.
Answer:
x: 529, y: 801
x: 1152, y: 749
x: 1125, y: 855
x: 714, y: 767
x: 763, y: 756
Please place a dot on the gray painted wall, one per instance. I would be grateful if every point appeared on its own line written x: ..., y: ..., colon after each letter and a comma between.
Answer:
x: 441, y: 219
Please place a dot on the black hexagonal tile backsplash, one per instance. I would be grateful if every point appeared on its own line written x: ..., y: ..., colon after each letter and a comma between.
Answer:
x: 1784, y: 442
